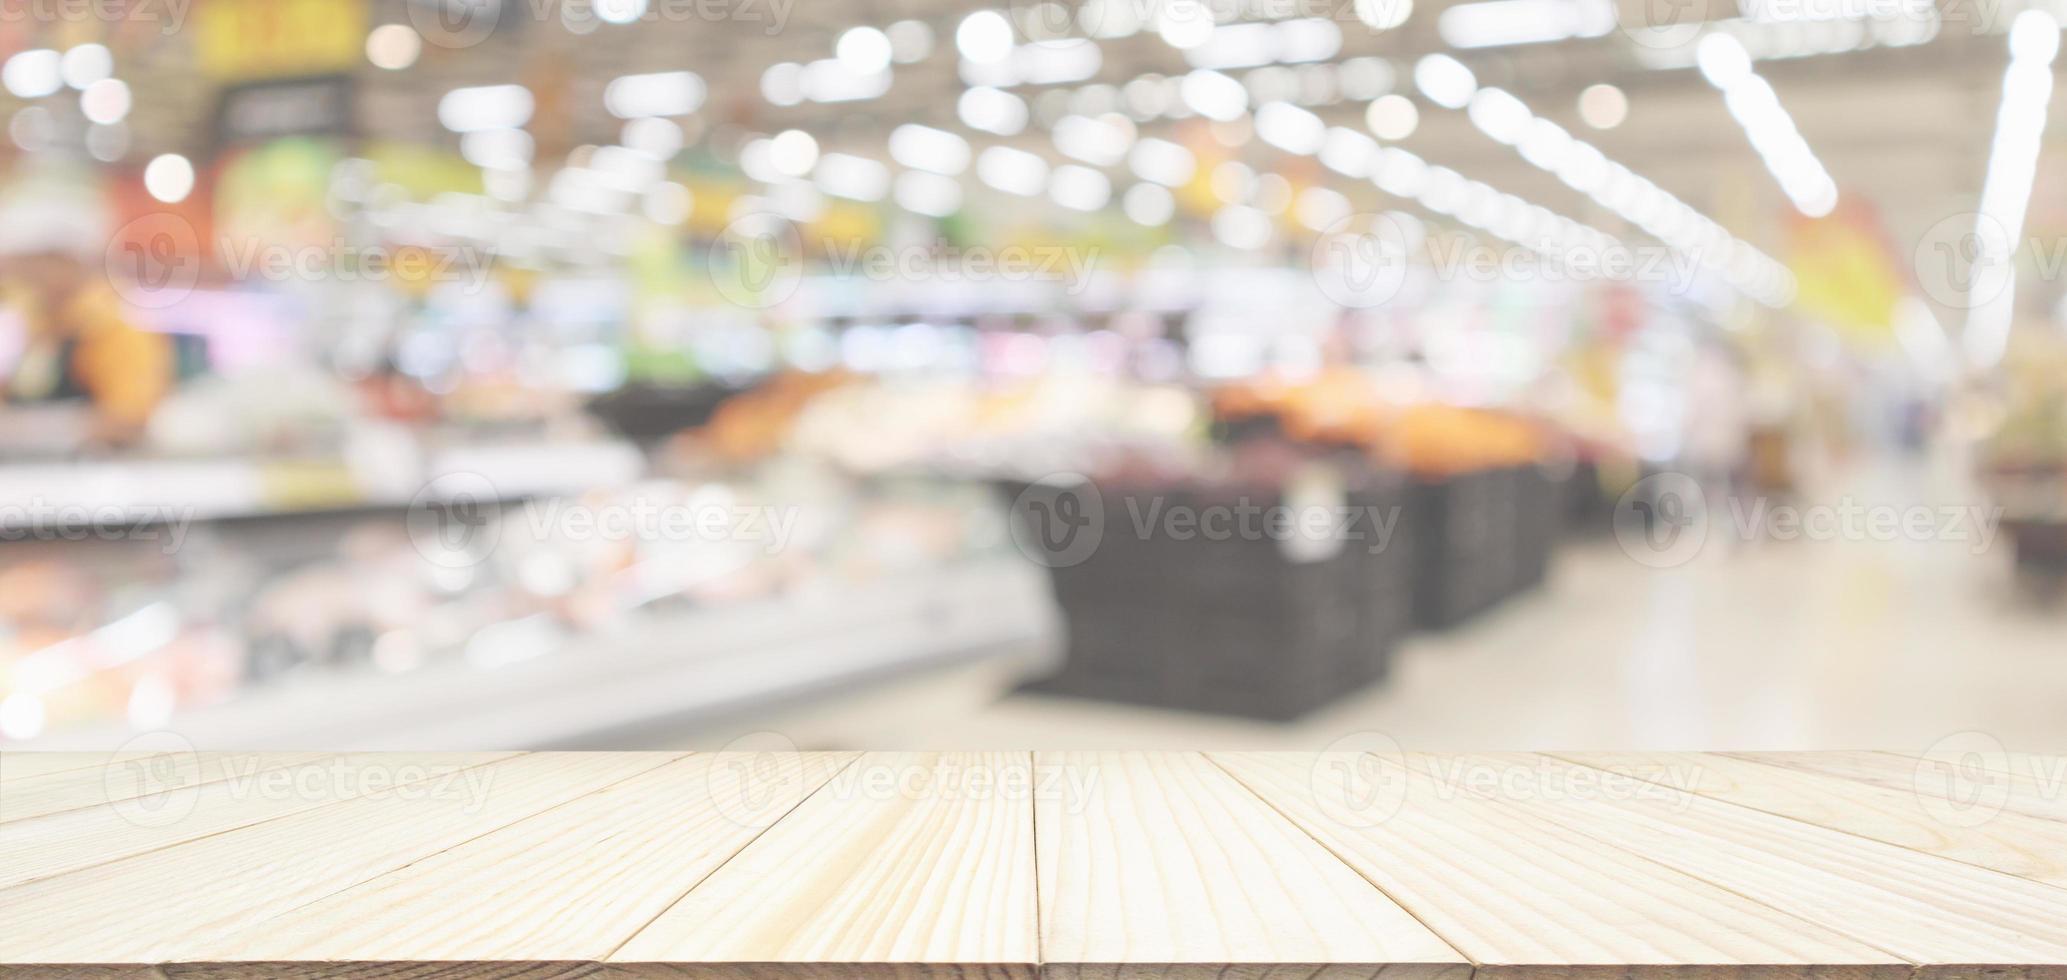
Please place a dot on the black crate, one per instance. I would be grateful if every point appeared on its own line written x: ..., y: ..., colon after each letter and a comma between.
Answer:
x: 1232, y: 625
x: 1479, y: 538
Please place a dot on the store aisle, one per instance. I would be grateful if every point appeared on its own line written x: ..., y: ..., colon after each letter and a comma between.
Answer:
x: 1773, y: 644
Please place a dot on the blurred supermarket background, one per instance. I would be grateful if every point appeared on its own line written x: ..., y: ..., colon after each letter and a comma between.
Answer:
x: 642, y: 373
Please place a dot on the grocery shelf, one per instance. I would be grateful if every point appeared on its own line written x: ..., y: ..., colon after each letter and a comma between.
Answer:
x: 786, y: 865
x: 670, y: 670
x: 129, y: 491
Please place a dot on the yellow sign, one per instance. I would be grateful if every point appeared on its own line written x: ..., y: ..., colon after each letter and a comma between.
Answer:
x: 244, y: 40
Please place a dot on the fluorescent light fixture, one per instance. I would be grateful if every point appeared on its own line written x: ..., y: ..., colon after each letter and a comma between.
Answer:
x: 670, y: 93
x: 992, y: 110
x: 853, y: 177
x: 1162, y: 162
x: 1444, y: 80
x: 1497, y: 23
x: 1215, y: 96
x: 1012, y: 171
x: 925, y: 148
x: 466, y: 110
x: 1751, y: 100
x: 929, y: 194
x: 1101, y: 140
x: 1079, y: 188
x: 2027, y: 89
x: 1290, y: 128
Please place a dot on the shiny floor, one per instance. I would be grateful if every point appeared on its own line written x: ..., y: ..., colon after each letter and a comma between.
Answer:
x: 1862, y: 640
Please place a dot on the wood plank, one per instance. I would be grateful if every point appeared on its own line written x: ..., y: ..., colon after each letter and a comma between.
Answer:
x: 74, y: 839
x: 1950, y: 918
x: 153, y: 781
x: 24, y: 765
x: 906, y: 865
x: 159, y: 907
x: 1958, y: 793
x: 2011, y: 842
x: 551, y: 892
x: 1524, y: 898
x: 1162, y: 865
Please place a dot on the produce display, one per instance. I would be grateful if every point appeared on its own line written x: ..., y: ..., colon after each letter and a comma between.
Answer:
x: 120, y: 635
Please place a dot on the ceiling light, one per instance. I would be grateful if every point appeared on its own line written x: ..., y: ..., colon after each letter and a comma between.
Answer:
x: 86, y: 64
x: 926, y: 148
x: 793, y: 152
x: 1148, y: 204
x: 1603, y: 106
x: 33, y: 74
x: 984, y: 37
x: 1392, y: 117
x: 992, y: 110
x: 1079, y: 188
x: 864, y: 50
x: 1444, y: 80
x: 1012, y: 171
x: 668, y: 93
x: 928, y: 194
x: 169, y: 178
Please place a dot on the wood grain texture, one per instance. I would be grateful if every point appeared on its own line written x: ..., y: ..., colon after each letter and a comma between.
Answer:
x: 571, y: 883
x: 152, y: 781
x: 1953, y: 920
x: 75, y: 839
x: 904, y: 865
x: 1527, y: 898
x: 1972, y: 786
x: 158, y: 907
x: 1162, y: 865
x: 1010, y: 866
x: 23, y: 765
x: 2008, y: 841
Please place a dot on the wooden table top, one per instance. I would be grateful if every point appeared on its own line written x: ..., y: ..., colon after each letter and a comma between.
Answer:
x: 997, y: 865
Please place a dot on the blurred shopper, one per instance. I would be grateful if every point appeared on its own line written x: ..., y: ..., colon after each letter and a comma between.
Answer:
x: 80, y: 347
